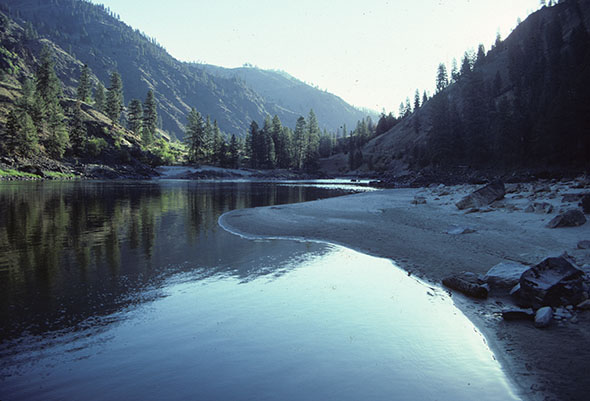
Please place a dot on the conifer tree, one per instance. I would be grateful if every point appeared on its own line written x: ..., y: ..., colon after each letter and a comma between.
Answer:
x: 84, y: 91
x: 234, y: 152
x: 27, y: 138
x: 58, y: 138
x: 100, y: 98
x: 299, y: 143
x: 150, y: 117
x: 195, y: 136
x: 135, y: 118
x: 442, y: 79
x: 416, y: 100
x: 48, y: 86
x: 114, y: 101
x: 8, y: 136
x: 78, y: 133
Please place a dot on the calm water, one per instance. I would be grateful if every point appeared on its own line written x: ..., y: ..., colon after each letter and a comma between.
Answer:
x: 132, y: 291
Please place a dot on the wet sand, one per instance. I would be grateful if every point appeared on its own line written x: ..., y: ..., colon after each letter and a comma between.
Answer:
x: 545, y: 364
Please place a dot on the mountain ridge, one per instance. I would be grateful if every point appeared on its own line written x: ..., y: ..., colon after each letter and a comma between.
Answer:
x: 96, y: 37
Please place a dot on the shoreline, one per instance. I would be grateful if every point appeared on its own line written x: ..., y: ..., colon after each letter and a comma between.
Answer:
x: 541, y: 364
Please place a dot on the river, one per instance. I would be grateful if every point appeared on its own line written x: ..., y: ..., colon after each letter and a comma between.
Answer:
x: 131, y: 290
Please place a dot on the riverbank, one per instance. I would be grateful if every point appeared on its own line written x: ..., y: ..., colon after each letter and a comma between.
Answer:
x: 417, y: 229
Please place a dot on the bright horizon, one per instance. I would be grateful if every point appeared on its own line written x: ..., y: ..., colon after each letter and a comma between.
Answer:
x: 373, y: 54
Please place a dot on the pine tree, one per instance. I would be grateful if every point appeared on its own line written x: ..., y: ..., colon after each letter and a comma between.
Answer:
x: 481, y: 55
x: 48, y: 86
x: 312, y: 154
x: 114, y: 101
x: 424, y: 98
x: 100, y: 98
x: 299, y: 150
x: 219, y: 146
x: 466, y: 65
x: 442, y: 79
x: 195, y: 136
x: 27, y: 138
x: 234, y: 152
x: 84, y: 85
x: 454, y: 71
x: 58, y: 139
x: 8, y: 136
x: 416, y: 100
x: 78, y: 132
x: 150, y: 117
x: 135, y: 118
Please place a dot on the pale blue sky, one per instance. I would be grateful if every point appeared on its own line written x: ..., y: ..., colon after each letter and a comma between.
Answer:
x: 372, y: 53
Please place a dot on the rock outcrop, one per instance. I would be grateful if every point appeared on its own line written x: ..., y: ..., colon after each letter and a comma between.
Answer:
x: 553, y: 282
x: 483, y: 196
x: 571, y: 218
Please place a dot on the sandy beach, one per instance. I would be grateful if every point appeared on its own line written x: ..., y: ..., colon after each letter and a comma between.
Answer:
x: 545, y: 364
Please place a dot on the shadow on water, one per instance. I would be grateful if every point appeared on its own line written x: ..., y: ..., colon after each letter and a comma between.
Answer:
x: 72, y: 251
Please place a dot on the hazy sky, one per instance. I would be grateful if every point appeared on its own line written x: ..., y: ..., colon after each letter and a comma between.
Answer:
x: 371, y: 53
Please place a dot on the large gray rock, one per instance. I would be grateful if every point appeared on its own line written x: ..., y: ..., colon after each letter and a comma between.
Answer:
x: 505, y: 274
x: 585, y: 203
x: 543, y: 317
x: 553, y: 282
x: 483, y: 196
x: 518, y: 314
x: 467, y: 283
x: 539, y: 207
x: 571, y: 218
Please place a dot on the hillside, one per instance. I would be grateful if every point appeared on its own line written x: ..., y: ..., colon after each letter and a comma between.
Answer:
x: 96, y: 37
x: 524, y: 104
x: 295, y: 96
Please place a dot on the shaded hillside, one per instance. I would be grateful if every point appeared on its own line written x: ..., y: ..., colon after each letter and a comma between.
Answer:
x: 526, y: 103
x: 98, y: 38
x: 295, y: 96
x: 90, y: 145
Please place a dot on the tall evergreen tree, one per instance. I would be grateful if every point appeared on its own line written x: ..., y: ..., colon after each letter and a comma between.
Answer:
x: 84, y: 91
x: 114, y: 101
x: 442, y: 79
x: 299, y: 143
x: 58, y: 139
x: 234, y: 152
x: 48, y: 86
x: 100, y: 98
x: 195, y: 136
x: 78, y: 132
x: 134, y: 122
x: 150, y: 117
x: 416, y: 100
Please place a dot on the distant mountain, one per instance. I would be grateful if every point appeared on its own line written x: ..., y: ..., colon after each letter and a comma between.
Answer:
x: 295, y: 96
x: 95, y: 36
x: 524, y: 104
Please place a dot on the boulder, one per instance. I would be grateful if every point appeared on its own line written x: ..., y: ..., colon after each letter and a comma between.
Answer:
x: 539, y: 207
x: 543, y: 317
x: 505, y: 274
x: 585, y: 305
x: 419, y: 200
x: 584, y: 244
x: 571, y: 198
x: 553, y: 282
x: 483, y: 196
x: 518, y: 314
x: 456, y: 230
x: 467, y: 283
x: 585, y: 203
x: 571, y: 218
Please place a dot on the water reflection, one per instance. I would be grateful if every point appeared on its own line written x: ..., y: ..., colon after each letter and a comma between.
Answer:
x: 73, y: 250
x: 336, y: 325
